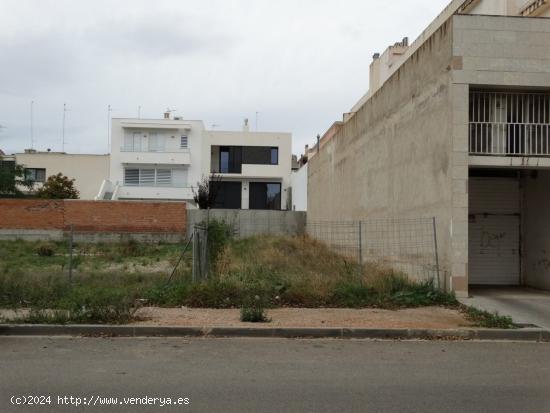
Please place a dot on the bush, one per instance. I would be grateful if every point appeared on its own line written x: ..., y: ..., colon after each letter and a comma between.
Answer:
x: 254, y: 311
x: 485, y: 319
x: 219, y: 235
x: 45, y: 249
x: 131, y: 248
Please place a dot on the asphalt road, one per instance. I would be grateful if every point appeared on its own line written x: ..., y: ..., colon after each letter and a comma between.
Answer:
x: 274, y: 375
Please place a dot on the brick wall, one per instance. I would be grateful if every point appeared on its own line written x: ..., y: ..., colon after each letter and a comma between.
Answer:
x: 31, y: 214
x: 92, y: 216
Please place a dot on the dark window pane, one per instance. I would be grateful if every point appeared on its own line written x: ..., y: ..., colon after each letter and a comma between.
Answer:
x: 228, y: 195
x: 257, y: 155
x: 230, y: 160
x: 273, y: 196
x: 265, y: 195
x: 274, y: 156
x: 40, y: 175
x: 224, y: 161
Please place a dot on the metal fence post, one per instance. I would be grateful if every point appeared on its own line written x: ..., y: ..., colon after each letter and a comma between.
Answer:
x: 436, y: 252
x: 71, y: 254
x: 361, y: 246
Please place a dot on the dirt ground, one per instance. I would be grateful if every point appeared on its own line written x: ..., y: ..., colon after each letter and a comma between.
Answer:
x: 427, y: 317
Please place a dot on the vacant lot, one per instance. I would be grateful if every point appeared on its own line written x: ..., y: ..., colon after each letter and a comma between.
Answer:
x: 267, y: 271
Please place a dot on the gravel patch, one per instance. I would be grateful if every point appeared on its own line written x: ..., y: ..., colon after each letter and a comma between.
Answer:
x: 426, y: 317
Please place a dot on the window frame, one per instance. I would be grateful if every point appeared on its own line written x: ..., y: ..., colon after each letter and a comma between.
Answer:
x: 35, y: 171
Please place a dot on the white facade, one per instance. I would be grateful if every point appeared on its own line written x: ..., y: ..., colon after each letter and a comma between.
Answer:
x: 298, y: 183
x: 154, y: 159
x: 253, y: 173
x: 163, y: 159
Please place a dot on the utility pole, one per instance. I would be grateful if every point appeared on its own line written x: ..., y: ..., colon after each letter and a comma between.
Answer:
x: 109, y: 110
x: 139, y: 112
x: 257, y: 113
x: 63, y: 128
x: 32, y: 126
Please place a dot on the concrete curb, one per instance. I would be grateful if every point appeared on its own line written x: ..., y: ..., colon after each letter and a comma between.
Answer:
x: 526, y: 334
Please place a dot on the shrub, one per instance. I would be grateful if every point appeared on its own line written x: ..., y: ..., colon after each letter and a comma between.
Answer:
x: 45, y: 249
x: 131, y: 248
x: 353, y: 295
x: 253, y: 311
x: 219, y: 235
x: 486, y: 319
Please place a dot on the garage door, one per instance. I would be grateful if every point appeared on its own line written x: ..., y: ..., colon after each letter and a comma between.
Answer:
x: 494, y: 231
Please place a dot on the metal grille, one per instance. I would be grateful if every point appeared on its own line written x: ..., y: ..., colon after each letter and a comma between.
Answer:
x: 404, y: 245
x: 509, y: 124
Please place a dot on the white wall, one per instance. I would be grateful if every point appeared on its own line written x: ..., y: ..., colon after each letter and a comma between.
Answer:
x: 89, y: 171
x: 298, y: 182
x: 172, y: 157
x: 254, y: 173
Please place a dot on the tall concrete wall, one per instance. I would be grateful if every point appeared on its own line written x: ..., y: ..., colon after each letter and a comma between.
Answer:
x: 393, y: 158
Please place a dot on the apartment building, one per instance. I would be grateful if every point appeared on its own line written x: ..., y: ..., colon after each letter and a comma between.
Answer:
x: 163, y: 159
x: 88, y: 171
x: 456, y: 125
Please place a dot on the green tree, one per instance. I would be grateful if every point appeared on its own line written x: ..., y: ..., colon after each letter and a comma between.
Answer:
x: 58, y: 187
x: 13, y: 179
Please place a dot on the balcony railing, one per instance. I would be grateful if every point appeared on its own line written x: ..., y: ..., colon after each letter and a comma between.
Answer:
x: 156, y: 150
x: 509, y: 124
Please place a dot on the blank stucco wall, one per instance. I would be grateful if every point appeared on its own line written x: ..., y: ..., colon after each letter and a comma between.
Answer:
x: 536, y: 230
x: 393, y: 158
x: 502, y: 51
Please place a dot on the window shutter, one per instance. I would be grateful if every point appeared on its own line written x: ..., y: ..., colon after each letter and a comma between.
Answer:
x: 131, y: 176
x: 184, y: 142
x: 147, y: 177
x: 164, y: 177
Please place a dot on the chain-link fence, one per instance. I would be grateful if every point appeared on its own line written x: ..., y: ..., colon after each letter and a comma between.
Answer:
x: 404, y: 245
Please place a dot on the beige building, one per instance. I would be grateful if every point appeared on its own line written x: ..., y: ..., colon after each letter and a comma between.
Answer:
x: 88, y: 171
x: 456, y: 125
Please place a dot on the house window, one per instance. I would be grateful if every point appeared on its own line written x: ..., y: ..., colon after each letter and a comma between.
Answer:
x: 184, y: 142
x: 274, y: 156
x: 260, y: 155
x: 151, y: 177
x: 231, y: 159
x: 265, y: 195
x: 35, y: 174
x: 156, y: 142
x: 131, y: 177
x: 132, y: 143
x: 164, y: 177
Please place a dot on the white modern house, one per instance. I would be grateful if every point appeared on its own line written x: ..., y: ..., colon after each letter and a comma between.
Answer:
x: 153, y: 159
x: 162, y: 159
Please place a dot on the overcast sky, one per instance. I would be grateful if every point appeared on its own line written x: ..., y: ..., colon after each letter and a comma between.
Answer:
x: 299, y: 63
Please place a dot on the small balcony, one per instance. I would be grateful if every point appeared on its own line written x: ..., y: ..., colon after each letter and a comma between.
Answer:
x: 509, y: 124
x: 131, y: 156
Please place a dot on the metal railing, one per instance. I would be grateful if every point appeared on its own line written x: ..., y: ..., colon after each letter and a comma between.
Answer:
x: 152, y: 150
x: 509, y: 124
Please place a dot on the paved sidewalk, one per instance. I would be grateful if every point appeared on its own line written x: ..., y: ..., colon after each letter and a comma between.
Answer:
x: 524, y: 305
